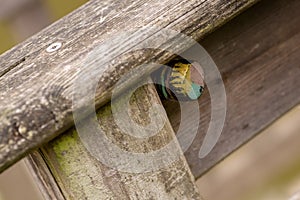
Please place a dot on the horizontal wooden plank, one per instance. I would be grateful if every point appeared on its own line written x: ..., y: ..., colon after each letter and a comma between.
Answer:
x: 36, y: 84
x: 258, y: 56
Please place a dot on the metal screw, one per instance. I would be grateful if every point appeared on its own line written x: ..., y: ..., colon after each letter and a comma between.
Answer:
x: 54, y: 47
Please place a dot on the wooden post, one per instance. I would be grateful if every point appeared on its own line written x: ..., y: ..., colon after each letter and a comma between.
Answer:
x: 80, y: 176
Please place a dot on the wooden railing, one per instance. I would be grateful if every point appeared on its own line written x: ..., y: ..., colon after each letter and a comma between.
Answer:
x: 257, y: 55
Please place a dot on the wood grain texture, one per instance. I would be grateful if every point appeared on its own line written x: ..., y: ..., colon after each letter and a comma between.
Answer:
x: 258, y: 56
x: 44, y: 179
x: 80, y: 176
x: 36, y: 86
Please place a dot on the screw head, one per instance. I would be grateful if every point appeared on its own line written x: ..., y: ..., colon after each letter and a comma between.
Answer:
x: 54, y: 47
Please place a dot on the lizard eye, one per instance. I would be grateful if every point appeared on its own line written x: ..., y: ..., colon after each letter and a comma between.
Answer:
x: 201, y: 89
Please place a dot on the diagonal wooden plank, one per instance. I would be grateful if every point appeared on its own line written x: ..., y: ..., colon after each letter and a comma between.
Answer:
x: 36, y: 83
x: 43, y: 177
x: 258, y: 56
x: 80, y: 176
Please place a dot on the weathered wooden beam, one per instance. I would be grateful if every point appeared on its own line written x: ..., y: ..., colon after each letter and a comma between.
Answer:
x: 81, y: 176
x: 36, y: 84
x: 43, y: 176
x: 258, y: 55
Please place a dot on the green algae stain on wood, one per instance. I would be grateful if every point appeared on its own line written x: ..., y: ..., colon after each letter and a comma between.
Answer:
x: 76, y: 172
x: 81, y: 176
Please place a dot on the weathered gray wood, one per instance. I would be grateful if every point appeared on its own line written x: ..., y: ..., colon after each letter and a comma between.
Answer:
x: 81, y: 176
x: 36, y: 86
x: 44, y: 179
x: 258, y: 55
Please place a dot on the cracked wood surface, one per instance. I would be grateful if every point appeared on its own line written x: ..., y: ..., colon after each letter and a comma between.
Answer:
x: 36, y: 86
x: 80, y: 176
